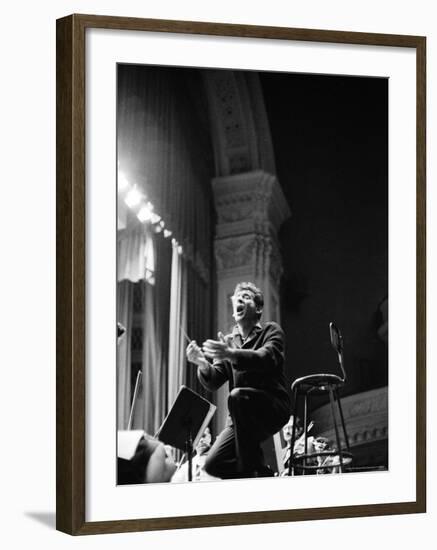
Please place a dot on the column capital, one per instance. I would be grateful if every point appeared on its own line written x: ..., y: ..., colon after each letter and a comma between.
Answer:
x: 251, y: 202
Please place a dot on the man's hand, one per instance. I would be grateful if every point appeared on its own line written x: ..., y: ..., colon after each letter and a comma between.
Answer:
x: 195, y: 354
x: 218, y: 349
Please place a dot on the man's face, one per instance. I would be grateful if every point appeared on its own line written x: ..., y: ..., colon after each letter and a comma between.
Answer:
x: 204, y: 442
x: 287, y: 430
x: 320, y: 444
x: 243, y: 305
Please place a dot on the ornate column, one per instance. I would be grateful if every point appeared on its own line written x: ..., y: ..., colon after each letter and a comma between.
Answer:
x: 250, y: 210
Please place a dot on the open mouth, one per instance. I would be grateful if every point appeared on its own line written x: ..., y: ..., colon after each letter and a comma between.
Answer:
x: 239, y: 309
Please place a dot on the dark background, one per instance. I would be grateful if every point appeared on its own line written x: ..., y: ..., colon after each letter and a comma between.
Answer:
x: 330, y: 137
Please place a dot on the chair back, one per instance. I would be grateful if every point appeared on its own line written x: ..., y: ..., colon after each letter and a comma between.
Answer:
x: 337, y: 344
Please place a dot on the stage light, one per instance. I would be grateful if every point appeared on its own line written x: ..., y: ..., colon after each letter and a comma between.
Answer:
x: 155, y: 218
x: 167, y: 233
x: 145, y: 213
x: 180, y: 250
x: 133, y: 198
x: 122, y: 183
x: 162, y: 224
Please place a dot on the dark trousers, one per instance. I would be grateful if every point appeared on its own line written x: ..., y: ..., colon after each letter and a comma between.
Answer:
x: 255, y: 415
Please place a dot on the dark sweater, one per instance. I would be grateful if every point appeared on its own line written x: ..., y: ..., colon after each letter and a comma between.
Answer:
x: 258, y: 363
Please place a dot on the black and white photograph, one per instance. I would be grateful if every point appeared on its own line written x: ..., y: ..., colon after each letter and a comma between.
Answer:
x: 252, y: 274
x: 212, y: 212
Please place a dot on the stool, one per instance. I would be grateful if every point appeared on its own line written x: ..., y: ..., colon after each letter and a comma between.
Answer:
x: 319, y: 384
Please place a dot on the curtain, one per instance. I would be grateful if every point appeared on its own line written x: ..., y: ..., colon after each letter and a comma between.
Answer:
x: 151, y: 406
x: 136, y: 264
x: 124, y: 316
x: 135, y: 253
x: 147, y: 404
x: 164, y: 148
x: 178, y: 325
x: 199, y: 321
x: 178, y: 303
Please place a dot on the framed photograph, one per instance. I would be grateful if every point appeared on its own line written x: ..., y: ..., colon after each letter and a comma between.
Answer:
x: 240, y: 217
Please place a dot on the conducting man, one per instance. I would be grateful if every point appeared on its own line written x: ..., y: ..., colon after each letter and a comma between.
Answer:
x: 251, y: 360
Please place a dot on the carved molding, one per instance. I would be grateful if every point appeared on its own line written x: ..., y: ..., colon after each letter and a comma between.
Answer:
x: 234, y: 252
x: 250, y: 202
x: 365, y: 415
x: 257, y: 254
x: 241, y: 133
x: 225, y: 87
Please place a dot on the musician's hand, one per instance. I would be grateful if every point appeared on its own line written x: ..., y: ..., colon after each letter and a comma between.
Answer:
x: 195, y: 354
x: 218, y: 349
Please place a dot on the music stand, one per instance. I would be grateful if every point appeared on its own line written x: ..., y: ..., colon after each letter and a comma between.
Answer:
x: 185, y: 423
